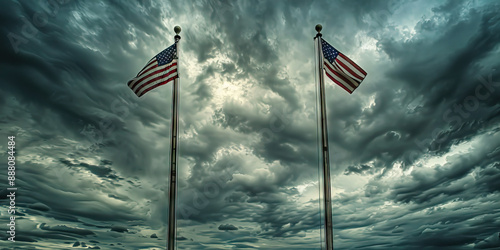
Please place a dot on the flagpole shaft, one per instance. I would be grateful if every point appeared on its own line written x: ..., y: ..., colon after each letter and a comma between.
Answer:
x: 171, y: 237
x: 173, y: 171
x: 327, y: 194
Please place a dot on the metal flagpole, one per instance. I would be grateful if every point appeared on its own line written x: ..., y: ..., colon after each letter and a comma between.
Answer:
x: 327, y: 193
x: 171, y: 237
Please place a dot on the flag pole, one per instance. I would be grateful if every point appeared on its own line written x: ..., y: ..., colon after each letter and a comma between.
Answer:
x: 327, y: 194
x: 171, y: 237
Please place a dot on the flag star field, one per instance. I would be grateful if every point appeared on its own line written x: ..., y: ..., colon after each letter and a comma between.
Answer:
x: 412, y: 98
x: 166, y: 56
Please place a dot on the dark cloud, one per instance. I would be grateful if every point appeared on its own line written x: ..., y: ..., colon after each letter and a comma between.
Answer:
x: 227, y: 227
x: 65, y: 229
x: 489, y: 243
x: 361, y: 169
x: 120, y: 229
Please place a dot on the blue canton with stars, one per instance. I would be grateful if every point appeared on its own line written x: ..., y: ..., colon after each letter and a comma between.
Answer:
x: 167, y: 55
x: 329, y: 52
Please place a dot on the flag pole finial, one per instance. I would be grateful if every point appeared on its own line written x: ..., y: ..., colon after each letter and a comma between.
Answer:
x: 177, y: 30
x: 319, y: 28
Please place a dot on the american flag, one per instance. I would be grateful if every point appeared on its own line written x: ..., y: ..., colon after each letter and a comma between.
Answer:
x: 342, y: 70
x: 160, y: 70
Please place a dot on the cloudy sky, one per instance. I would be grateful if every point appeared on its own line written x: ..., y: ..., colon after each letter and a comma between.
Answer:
x: 415, y: 150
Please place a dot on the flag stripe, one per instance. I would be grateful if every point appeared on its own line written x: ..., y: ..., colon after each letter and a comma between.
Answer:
x: 154, y: 80
x: 160, y: 75
x: 351, y: 67
x: 132, y: 83
x: 151, y: 62
x: 341, y: 80
x: 148, y: 67
x: 346, y: 80
x: 353, y: 64
x: 149, y: 74
x: 137, y: 80
x: 349, y: 70
x: 339, y: 69
x: 348, y: 89
x: 157, y: 85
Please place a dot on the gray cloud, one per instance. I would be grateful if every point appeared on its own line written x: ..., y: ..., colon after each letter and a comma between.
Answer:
x: 227, y: 227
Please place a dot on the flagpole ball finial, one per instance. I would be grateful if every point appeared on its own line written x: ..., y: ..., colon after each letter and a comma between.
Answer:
x: 177, y: 29
x: 319, y: 28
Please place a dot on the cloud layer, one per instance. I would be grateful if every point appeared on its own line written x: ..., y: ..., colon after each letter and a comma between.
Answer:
x: 415, y: 150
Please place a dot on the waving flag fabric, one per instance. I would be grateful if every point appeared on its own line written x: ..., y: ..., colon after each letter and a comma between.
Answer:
x: 160, y: 70
x: 340, y: 69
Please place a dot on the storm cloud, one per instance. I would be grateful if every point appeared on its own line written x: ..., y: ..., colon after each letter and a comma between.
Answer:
x: 415, y: 150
